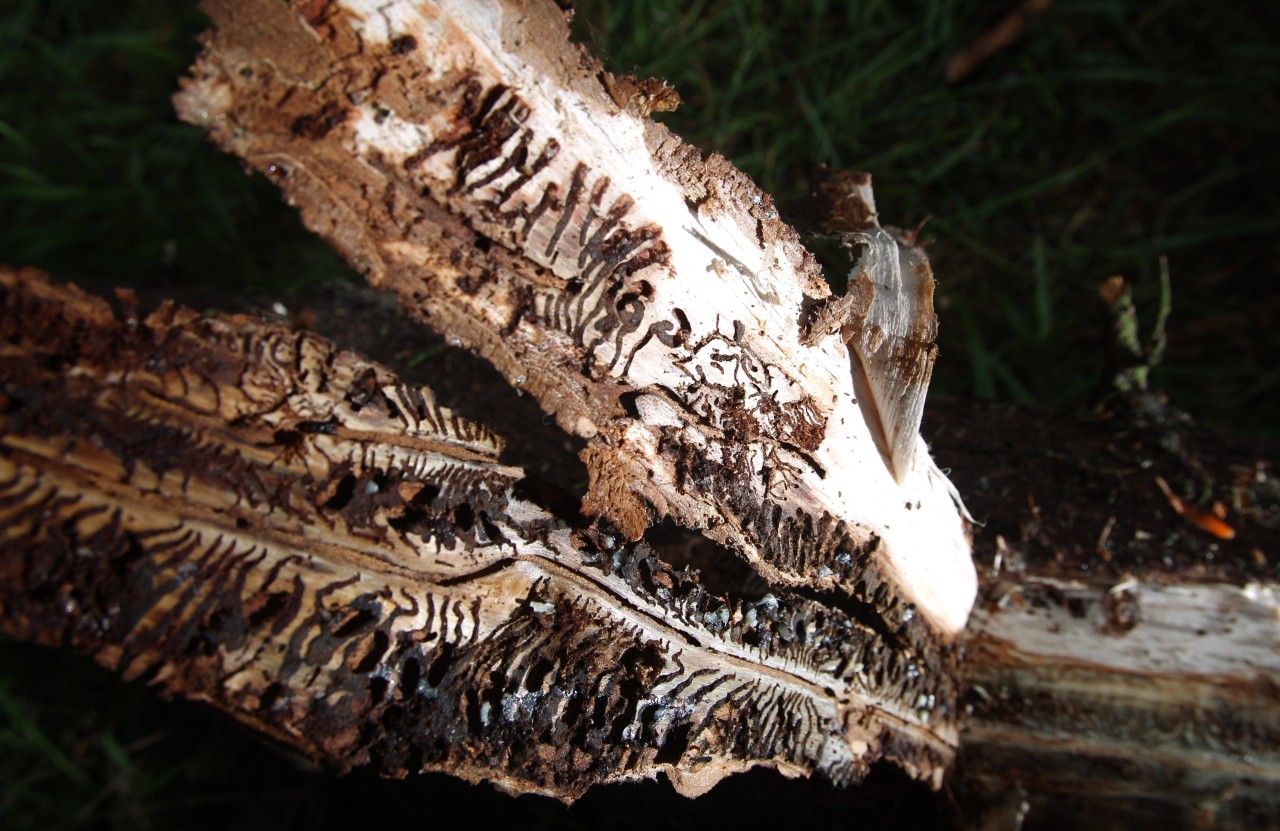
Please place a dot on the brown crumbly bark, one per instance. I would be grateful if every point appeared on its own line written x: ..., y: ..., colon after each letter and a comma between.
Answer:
x: 248, y: 516
x: 479, y: 165
x: 244, y: 515
x: 1093, y: 700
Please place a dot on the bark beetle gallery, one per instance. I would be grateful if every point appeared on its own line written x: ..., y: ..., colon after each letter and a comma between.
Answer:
x: 478, y: 166
x: 251, y: 516
x: 650, y: 300
x: 364, y: 580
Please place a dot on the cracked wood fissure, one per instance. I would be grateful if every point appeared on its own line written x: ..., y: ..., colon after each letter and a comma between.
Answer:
x: 244, y: 515
x: 517, y: 198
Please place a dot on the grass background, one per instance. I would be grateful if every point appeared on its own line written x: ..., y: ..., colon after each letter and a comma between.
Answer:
x: 1110, y: 134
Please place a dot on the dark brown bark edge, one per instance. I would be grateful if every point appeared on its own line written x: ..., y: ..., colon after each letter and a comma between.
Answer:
x: 242, y: 514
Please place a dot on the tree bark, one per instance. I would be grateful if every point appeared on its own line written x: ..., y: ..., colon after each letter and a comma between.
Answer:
x: 252, y: 517
x: 519, y: 200
x: 245, y: 515
x: 475, y: 162
x: 1086, y: 706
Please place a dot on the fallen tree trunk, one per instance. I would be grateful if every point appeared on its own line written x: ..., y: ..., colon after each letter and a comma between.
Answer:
x: 1092, y: 698
x: 1124, y: 705
x: 1122, y: 661
x: 518, y: 199
x: 288, y: 532
x: 244, y: 515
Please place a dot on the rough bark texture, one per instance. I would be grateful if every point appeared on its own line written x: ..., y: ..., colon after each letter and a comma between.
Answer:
x: 474, y: 161
x: 245, y: 515
x: 518, y: 199
x: 1090, y: 708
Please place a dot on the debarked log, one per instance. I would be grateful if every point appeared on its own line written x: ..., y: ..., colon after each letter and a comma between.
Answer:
x: 1123, y: 704
x: 245, y: 515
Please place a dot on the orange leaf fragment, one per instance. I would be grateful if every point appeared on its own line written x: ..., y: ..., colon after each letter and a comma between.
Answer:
x: 1202, y: 519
